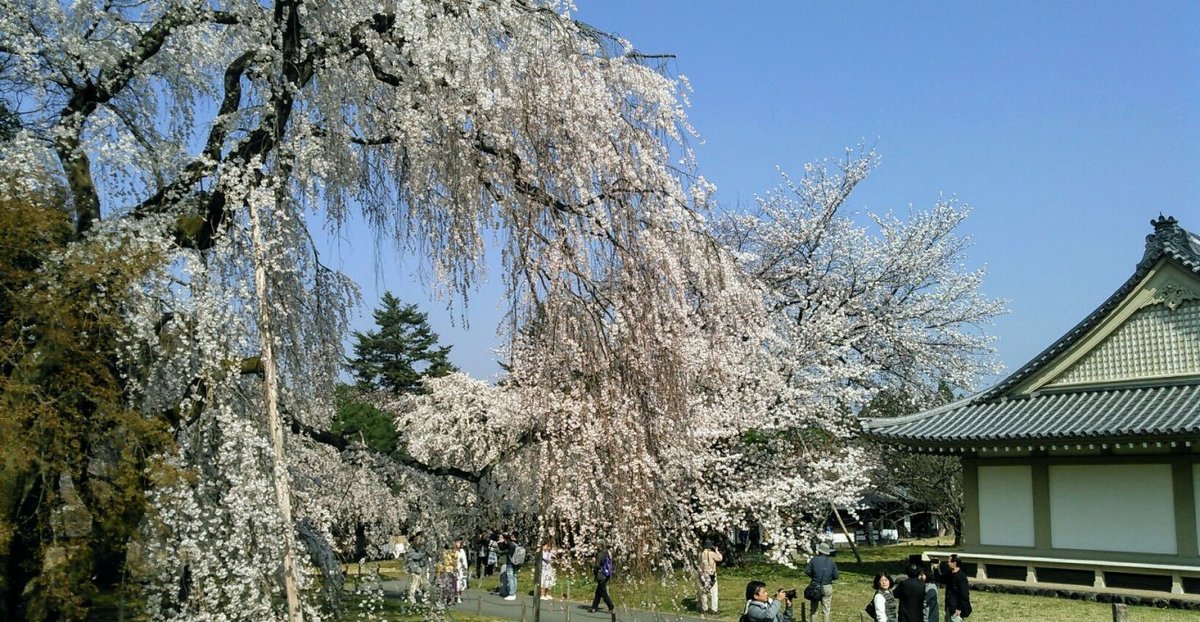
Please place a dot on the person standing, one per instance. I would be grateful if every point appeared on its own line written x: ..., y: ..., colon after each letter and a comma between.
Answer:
x: 884, y: 603
x: 602, y: 571
x: 910, y: 596
x: 417, y: 564
x: 958, y: 592
x: 493, y: 553
x: 480, y: 546
x: 502, y: 562
x: 462, y: 569
x: 447, y: 581
x: 709, y: 558
x: 514, y: 556
x: 823, y: 571
x: 547, y: 580
x: 931, y: 595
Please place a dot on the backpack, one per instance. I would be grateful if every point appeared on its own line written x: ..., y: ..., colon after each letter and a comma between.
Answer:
x: 518, y: 555
x: 606, y: 567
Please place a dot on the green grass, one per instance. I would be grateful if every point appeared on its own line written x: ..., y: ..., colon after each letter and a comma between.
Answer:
x: 676, y: 593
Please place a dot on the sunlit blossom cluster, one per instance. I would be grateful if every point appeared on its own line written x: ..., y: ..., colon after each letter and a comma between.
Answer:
x: 668, y: 376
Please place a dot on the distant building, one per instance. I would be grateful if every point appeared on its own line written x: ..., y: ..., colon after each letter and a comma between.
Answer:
x: 1082, y: 469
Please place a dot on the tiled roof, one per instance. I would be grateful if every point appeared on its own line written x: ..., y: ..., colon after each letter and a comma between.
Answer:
x: 1148, y: 412
x: 1168, y: 240
x: 995, y: 416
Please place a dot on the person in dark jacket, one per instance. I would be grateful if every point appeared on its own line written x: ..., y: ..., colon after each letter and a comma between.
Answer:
x: 910, y: 596
x: 602, y: 571
x: 958, y: 592
x: 508, y: 547
x: 823, y: 571
x: 932, y: 612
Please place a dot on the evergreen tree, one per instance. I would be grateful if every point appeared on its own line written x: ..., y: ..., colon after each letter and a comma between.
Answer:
x: 359, y: 421
x: 403, y: 351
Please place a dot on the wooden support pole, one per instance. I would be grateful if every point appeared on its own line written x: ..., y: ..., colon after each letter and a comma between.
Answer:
x: 849, y: 536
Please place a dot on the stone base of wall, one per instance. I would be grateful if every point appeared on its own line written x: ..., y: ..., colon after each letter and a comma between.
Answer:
x: 1143, y: 600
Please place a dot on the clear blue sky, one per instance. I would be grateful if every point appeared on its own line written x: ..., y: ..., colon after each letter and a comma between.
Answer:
x: 1066, y: 126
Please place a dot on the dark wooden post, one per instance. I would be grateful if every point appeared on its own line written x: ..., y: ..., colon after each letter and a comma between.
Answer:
x: 849, y: 536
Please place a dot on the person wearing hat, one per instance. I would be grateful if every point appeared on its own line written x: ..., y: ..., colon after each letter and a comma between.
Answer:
x: 709, y: 558
x: 823, y: 571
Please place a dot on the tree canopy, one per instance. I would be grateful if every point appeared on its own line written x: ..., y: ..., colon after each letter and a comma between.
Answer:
x: 659, y: 364
x: 402, y: 352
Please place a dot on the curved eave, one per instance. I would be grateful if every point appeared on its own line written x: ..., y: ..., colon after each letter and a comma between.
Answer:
x: 1126, y: 415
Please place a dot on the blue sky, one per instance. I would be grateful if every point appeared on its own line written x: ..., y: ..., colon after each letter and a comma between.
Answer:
x: 1067, y: 126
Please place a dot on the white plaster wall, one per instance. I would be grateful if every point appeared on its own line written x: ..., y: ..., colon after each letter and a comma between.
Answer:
x: 1006, y: 505
x: 1196, y: 496
x: 1125, y: 507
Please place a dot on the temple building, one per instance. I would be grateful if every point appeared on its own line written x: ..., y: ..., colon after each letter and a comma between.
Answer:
x: 1081, y: 470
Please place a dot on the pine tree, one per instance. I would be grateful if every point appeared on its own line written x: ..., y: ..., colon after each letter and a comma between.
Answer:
x: 402, y: 352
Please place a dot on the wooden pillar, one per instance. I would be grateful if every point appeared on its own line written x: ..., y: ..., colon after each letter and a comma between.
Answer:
x: 1042, y: 534
x: 970, y: 522
x: 1182, y: 476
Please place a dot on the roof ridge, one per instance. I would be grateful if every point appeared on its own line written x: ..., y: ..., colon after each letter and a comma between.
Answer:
x: 1168, y: 239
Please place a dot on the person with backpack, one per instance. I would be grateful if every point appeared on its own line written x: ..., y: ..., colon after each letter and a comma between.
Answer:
x: 761, y: 608
x: 823, y: 571
x: 602, y: 571
x: 515, y: 557
x: 709, y: 558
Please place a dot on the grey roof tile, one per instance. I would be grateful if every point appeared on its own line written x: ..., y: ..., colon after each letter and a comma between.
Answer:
x: 1113, y: 413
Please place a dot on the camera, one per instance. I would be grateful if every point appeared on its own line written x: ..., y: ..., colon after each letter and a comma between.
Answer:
x: 791, y: 594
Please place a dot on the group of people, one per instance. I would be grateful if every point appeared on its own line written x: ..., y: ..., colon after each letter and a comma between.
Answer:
x: 492, y: 550
x: 450, y: 571
x: 913, y: 599
x: 503, y: 550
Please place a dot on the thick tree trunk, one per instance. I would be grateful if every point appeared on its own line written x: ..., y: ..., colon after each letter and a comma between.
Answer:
x: 283, y: 491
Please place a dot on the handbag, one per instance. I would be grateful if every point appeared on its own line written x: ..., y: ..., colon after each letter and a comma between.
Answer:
x: 813, y: 593
x: 871, y: 608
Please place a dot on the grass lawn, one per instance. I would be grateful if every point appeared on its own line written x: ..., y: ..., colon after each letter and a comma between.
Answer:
x: 677, y: 593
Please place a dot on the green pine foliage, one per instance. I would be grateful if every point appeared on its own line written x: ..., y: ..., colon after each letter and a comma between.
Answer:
x: 401, y: 353
x: 362, y: 422
x: 395, y: 358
